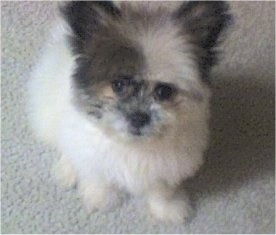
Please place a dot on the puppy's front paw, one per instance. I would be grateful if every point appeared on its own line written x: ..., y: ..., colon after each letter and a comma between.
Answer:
x: 171, y: 210
x: 99, y: 197
x: 64, y: 173
x: 169, y: 206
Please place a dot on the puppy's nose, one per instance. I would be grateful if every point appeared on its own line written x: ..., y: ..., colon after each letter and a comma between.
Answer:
x: 139, y: 119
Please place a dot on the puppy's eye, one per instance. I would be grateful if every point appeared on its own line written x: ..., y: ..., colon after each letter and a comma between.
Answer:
x: 163, y: 92
x: 119, y: 86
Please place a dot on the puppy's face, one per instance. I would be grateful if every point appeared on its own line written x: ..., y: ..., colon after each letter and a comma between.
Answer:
x: 140, y: 67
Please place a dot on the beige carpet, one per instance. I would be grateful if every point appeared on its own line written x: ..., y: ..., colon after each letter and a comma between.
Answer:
x: 234, y: 191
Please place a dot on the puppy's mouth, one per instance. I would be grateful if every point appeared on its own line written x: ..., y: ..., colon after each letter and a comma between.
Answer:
x: 136, y: 132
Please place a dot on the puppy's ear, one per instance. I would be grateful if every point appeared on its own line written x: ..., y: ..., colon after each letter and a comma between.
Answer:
x: 202, y: 22
x: 86, y: 18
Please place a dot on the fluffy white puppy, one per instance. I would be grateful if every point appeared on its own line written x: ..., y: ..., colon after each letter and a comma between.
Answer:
x: 122, y: 91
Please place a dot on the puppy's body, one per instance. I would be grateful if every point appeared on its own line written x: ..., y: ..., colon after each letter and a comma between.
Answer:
x: 105, y: 143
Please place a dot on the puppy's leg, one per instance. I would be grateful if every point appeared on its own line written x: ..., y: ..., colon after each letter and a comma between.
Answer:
x: 97, y: 194
x: 64, y: 173
x: 166, y: 206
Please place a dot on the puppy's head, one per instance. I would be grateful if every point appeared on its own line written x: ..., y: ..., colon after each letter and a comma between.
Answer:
x: 142, y: 67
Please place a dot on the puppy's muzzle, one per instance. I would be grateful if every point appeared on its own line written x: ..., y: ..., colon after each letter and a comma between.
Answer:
x: 138, y: 120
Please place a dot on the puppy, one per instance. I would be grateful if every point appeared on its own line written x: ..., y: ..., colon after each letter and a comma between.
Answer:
x: 122, y: 92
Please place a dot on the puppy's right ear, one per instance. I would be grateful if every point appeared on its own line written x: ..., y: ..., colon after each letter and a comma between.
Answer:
x: 86, y: 18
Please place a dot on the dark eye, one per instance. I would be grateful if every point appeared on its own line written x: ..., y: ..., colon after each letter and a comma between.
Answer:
x: 163, y: 92
x: 119, y: 86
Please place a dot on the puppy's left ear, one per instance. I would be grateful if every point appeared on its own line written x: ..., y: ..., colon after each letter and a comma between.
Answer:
x: 87, y: 18
x: 202, y: 23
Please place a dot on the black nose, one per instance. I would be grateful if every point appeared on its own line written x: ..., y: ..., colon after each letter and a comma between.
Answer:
x: 139, y: 119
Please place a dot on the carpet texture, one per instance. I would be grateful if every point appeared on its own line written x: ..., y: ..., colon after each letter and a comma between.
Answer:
x: 234, y: 192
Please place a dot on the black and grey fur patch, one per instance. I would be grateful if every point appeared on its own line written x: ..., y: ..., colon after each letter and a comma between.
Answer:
x: 104, y: 53
x: 107, y: 59
x: 204, y: 22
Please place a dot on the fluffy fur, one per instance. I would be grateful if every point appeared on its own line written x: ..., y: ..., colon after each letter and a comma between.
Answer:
x: 131, y: 141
